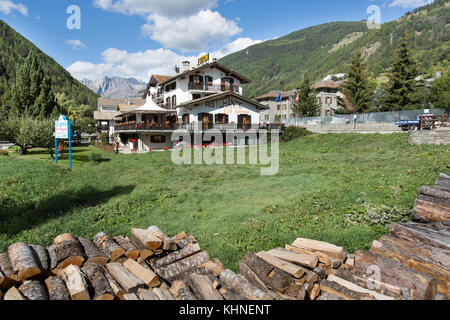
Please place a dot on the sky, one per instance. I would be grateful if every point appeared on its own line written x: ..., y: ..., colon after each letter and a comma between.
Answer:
x: 138, y: 38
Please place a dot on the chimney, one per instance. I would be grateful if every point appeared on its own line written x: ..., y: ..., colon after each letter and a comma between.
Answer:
x: 186, y: 66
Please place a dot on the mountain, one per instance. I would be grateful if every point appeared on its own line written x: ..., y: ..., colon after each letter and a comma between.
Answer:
x: 14, y: 48
x: 116, y: 87
x: 326, y: 49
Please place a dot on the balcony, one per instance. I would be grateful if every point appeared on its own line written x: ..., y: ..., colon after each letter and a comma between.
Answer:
x: 213, y: 87
x: 170, y: 126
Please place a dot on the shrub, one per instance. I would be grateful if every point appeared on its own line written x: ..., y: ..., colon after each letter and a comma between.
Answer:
x: 292, y: 133
x: 4, y: 153
x: 95, y: 157
x: 104, y: 138
x: 105, y: 147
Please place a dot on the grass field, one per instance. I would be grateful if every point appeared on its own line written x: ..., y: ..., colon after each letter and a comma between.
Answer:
x: 344, y: 189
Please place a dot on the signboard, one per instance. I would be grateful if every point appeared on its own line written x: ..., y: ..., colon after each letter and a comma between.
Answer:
x: 62, y: 128
x: 203, y: 59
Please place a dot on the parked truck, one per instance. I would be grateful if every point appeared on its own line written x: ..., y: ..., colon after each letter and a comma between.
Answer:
x: 407, y: 125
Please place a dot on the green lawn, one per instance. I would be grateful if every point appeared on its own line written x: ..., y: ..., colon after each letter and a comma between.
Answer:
x: 338, y: 188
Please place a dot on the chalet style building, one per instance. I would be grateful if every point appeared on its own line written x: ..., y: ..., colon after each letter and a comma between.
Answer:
x: 327, y: 97
x: 196, y: 99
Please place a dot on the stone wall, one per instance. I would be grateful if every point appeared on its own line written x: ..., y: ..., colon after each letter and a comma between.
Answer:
x: 438, y: 137
x: 387, y: 127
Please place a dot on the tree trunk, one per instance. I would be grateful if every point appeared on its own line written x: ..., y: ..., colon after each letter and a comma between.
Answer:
x: 109, y: 246
x: 23, y: 261
x: 128, y: 281
x: 422, y: 287
x: 93, y: 254
x: 34, y: 290
x: 130, y: 250
x: 96, y: 275
x: 179, y: 269
x: 57, y: 289
x: 244, y: 287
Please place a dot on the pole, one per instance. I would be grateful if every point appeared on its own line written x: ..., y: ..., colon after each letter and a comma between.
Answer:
x: 70, y: 146
x: 56, y: 150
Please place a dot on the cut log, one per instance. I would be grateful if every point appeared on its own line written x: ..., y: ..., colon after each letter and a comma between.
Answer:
x: 323, y: 258
x: 241, y: 285
x: 68, y: 252
x: 163, y: 294
x: 272, y: 277
x: 57, y: 289
x: 180, y: 291
x: 422, y: 287
x: 109, y: 246
x: 146, y: 238
x: 184, y: 242
x: 23, y: 261
x: 443, y: 203
x: 422, y: 258
x: 319, y: 246
x: 34, y: 290
x: 101, y: 288
x: 321, y: 272
x: 255, y: 280
x: 325, y: 296
x: 53, y: 262
x: 168, y: 244
x: 435, y: 193
x: 343, y: 292
x: 146, y: 275
x: 13, y: 294
x: 415, y: 233
x: 177, y: 270
x: 356, y: 288
x: 175, y: 256
x: 305, y: 260
x: 147, y: 295
x: 130, y: 297
x: 425, y: 211
x: 214, y: 266
x: 93, y: 254
x: 41, y: 256
x: 288, y: 267
x: 119, y: 292
x: 203, y: 289
x: 377, y: 286
x: 315, y: 292
x: 64, y: 237
x: 128, y: 281
x: 9, y: 276
x: 130, y: 250
x: 75, y: 282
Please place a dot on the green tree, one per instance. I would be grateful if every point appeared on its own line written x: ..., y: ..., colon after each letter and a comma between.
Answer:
x: 440, y: 94
x: 401, y: 91
x: 307, y: 104
x: 31, y: 94
x: 357, y: 88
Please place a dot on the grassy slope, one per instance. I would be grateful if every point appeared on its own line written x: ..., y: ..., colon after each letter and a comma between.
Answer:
x: 279, y: 64
x: 322, y: 178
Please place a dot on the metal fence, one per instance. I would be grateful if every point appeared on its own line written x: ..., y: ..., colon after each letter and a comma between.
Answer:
x: 362, y: 118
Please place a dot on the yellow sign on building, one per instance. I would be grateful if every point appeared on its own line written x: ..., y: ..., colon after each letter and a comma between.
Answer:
x: 203, y: 59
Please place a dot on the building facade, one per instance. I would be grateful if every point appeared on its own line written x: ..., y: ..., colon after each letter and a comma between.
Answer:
x: 208, y: 97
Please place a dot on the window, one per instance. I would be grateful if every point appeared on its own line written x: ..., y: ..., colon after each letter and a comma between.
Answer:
x: 173, y: 86
x: 328, y: 100
x: 284, y: 107
x: 158, y: 139
x: 222, y: 119
x: 209, y: 81
x: 319, y: 100
x: 174, y: 101
x: 196, y: 96
x: 284, y: 117
x: 267, y: 117
x: 279, y: 107
x: 168, y: 102
x: 167, y: 88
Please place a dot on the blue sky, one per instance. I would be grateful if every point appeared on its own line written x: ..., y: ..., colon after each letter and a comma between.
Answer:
x: 136, y: 38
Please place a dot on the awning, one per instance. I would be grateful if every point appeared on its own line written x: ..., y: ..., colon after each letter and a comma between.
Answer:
x: 149, y: 108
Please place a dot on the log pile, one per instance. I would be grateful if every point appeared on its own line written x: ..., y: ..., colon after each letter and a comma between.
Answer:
x: 411, y: 263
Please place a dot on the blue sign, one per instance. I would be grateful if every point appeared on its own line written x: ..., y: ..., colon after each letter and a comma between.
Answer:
x: 63, y: 131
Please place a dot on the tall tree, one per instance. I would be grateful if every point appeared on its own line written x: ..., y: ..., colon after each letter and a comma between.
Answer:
x: 307, y: 104
x: 32, y: 94
x: 357, y: 87
x: 400, y: 93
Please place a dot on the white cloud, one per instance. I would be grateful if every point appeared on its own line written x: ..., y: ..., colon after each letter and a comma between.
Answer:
x: 142, y: 65
x: 192, y: 33
x: 410, y: 3
x: 76, y: 44
x: 168, y: 8
x: 7, y: 6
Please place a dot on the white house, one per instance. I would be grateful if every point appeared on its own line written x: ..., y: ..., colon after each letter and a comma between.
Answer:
x: 202, y: 98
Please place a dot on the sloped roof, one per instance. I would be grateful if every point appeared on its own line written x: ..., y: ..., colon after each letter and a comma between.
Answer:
x: 117, y: 102
x: 106, y: 115
x: 223, y: 95
x: 274, y: 94
x: 330, y: 84
x: 155, y: 79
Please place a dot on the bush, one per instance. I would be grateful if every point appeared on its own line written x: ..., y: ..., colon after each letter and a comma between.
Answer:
x: 105, y: 147
x: 292, y: 133
x: 95, y: 157
x: 4, y: 153
x: 104, y: 138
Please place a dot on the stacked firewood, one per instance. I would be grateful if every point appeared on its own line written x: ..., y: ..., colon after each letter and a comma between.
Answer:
x: 433, y: 204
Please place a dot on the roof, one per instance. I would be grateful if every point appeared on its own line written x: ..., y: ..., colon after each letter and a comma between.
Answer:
x: 106, y: 115
x: 274, y: 94
x: 221, y: 95
x: 155, y: 79
x: 117, y: 102
x: 214, y: 64
x: 329, y: 84
x: 149, y: 108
